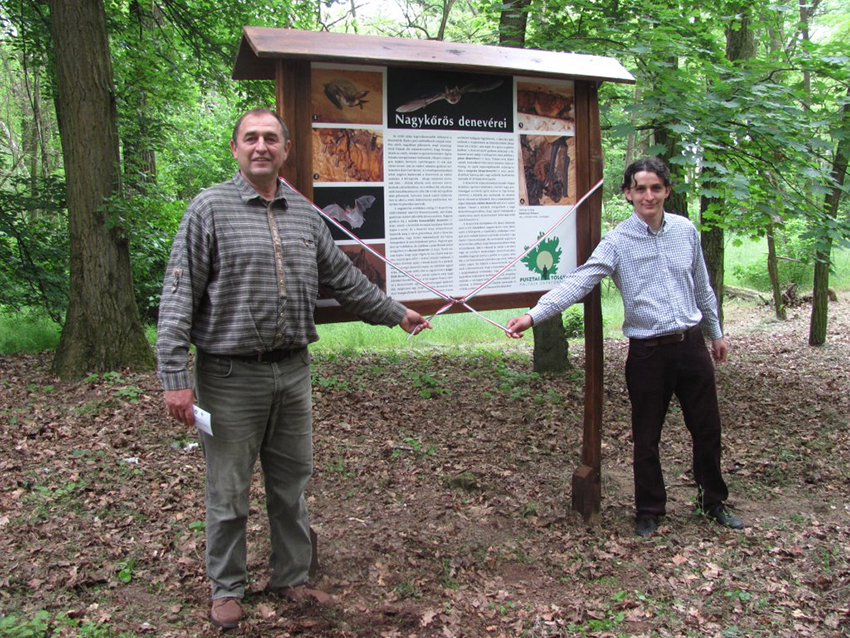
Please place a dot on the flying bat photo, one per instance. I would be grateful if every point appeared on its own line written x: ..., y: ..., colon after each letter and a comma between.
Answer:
x: 452, y: 95
x: 358, y: 209
x: 451, y: 101
x: 351, y: 215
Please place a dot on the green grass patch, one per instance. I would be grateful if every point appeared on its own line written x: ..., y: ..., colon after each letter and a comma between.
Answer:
x: 27, y: 331
x: 745, y: 267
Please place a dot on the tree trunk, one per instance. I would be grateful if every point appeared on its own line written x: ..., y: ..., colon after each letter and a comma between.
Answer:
x: 551, y: 350
x: 677, y: 203
x: 713, y: 249
x: 820, y: 297
x: 631, y: 142
x: 773, y: 271
x: 740, y: 45
x: 102, y: 329
x: 444, y: 19
x: 513, y: 22
x: 820, y: 291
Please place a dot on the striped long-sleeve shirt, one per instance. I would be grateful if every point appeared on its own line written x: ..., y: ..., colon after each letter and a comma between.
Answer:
x: 244, y: 276
x: 661, y: 276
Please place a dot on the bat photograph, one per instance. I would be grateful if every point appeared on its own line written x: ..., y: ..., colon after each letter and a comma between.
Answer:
x: 545, y: 107
x: 454, y: 101
x: 374, y: 269
x: 342, y: 96
x: 359, y: 209
x: 452, y: 95
x: 546, y: 170
x: 348, y: 155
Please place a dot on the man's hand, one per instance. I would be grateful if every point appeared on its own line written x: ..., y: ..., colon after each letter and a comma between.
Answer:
x: 517, y: 325
x: 413, y: 322
x: 719, y: 349
x: 179, y: 404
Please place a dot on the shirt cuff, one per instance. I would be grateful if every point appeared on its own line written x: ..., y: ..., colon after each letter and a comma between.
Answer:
x: 538, y: 315
x: 180, y: 380
x: 713, y: 332
x: 396, y: 313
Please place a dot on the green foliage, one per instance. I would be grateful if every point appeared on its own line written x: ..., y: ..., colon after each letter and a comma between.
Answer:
x: 34, y: 246
x: 27, y: 331
x: 129, y: 393
x: 152, y: 220
x: 125, y: 570
x: 15, y: 627
x: 197, y: 526
x: 573, y: 319
x: 429, y: 386
x: 41, y: 626
x: 796, y: 251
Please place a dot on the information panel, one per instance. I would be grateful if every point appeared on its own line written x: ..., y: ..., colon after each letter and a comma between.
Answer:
x: 449, y: 175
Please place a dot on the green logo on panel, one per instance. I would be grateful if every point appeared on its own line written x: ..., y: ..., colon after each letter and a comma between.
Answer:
x: 544, y: 258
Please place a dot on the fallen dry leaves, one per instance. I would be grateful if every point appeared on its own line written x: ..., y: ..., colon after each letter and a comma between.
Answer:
x: 442, y: 501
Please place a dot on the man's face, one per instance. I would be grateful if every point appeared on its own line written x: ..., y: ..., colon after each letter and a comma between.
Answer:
x: 647, y: 194
x: 260, y: 148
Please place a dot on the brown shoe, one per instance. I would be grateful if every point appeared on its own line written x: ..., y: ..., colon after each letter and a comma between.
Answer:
x: 302, y: 594
x: 226, y: 612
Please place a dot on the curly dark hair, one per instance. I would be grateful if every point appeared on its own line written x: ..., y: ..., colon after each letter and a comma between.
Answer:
x: 649, y: 165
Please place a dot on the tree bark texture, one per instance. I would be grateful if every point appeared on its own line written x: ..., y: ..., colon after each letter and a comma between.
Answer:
x: 551, y: 350
x: 740, y: 45
x: 713, y: 249
x: 677, y: 203
x: 102, y: 329
x: 513, y: 21
x: 773, y: 272
x: 820, y: 290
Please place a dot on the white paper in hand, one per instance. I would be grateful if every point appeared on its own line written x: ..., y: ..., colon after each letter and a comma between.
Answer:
x: 203, y: 420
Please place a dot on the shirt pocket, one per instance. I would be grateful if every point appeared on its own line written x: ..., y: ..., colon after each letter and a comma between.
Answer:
x: 302, y: 271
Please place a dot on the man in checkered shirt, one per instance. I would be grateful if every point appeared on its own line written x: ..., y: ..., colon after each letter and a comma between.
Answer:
x: 241, y: 285
x: 656, y: 261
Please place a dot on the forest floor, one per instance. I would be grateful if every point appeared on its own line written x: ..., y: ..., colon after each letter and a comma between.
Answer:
x: 441, y: 499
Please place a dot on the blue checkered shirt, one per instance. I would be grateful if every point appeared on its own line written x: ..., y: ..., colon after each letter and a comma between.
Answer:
x: 661, y: 276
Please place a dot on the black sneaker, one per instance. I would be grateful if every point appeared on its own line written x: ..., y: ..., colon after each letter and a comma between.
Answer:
x: 646, y: 525
x: 720, y: 515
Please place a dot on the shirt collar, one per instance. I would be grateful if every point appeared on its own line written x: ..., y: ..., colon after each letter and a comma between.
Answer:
x: 247, y: 192
x: 644, y: 227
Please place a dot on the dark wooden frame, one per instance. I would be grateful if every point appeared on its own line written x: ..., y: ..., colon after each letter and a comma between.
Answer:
x: 285, y: 56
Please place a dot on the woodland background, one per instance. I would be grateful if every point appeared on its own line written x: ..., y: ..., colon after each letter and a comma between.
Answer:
x: 441, y: 494
x: 114, y: 113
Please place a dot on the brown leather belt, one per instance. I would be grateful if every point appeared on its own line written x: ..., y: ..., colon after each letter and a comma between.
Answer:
x: 663, y: 340
x: 270, y: 356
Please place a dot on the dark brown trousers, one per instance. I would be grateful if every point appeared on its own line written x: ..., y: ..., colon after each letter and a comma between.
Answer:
x: 654, y: 372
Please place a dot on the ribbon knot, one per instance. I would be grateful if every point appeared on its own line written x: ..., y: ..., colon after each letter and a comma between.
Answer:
x: 451, y: 301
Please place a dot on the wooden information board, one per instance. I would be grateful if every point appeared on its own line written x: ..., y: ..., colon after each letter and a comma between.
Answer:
x: 450, y: 160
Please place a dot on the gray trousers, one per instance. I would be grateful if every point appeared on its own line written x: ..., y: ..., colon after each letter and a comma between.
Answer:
x: 265, y: 410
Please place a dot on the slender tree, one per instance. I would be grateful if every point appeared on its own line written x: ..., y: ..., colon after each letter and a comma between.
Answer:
x: 551, y: 349
x: 820, y: 293
x: 102, y: 330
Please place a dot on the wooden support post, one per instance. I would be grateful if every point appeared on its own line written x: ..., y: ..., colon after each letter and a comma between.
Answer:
x: 587, y: 479
x: 292, y: 84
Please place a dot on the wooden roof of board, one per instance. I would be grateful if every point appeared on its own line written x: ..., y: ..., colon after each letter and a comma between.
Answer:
x: 262, y: 46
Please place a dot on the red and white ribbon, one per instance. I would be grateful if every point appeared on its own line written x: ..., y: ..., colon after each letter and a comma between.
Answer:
x: 452, y: 301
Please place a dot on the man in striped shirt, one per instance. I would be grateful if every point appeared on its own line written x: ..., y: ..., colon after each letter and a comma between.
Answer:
x: 656, y: 261
x: 241, y: 284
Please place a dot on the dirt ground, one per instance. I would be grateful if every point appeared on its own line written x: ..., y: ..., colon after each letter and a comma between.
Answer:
x: 441, y: 498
